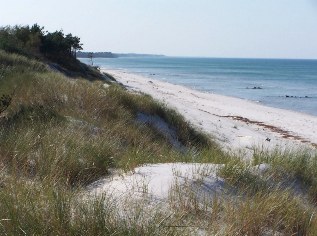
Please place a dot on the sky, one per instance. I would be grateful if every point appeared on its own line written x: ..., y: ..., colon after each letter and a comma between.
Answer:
x: 196, y: 28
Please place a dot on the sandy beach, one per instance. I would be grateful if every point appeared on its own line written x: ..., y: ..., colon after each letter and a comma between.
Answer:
x: 236, y: 124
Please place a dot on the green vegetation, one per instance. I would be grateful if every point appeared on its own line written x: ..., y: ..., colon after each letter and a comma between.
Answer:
x: 58, y: 134
x: 55, y: 48
x: 87, y: 127
x: 34, y: 41
x: 248, y: 208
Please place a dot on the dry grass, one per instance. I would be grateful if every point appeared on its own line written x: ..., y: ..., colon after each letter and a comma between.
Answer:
x: 59, y: 134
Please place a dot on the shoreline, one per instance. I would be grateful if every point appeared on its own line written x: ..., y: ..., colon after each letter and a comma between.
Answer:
x: 236, y: 124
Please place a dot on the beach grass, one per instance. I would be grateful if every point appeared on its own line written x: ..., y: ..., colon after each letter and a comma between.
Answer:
x: 59, y: 134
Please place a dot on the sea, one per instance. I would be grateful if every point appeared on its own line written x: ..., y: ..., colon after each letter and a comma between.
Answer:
x: 282, y: 83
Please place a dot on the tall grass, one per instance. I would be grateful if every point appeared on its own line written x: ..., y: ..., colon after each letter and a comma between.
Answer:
x: 251, y: 206
x: 293, y: 166
x: 59, y: 134
x: 33, y: 208
x: 15, y: 62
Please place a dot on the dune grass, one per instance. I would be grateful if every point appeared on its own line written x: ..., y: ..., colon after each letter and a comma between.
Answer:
x: 59, y: 134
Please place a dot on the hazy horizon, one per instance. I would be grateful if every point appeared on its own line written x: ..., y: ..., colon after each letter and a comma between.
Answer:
x: 207, y: 57
x: 204, y: 28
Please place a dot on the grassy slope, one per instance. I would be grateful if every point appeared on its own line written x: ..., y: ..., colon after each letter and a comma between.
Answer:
x: 59, y: 134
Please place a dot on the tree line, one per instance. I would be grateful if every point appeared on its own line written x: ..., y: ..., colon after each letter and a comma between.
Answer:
x: 34, y: 41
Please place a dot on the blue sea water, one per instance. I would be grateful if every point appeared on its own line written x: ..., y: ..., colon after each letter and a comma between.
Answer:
x: 281, y: 83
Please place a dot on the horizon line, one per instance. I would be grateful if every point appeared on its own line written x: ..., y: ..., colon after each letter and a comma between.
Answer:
x: 210, y: 57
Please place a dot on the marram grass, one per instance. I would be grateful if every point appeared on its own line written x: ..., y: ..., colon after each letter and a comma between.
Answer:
x: 59, y: 134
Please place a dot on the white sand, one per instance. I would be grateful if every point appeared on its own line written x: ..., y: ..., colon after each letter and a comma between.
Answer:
x: 209, y: 112
x: 167, y: 182
x: 155, y: 182
x: 159, y: 189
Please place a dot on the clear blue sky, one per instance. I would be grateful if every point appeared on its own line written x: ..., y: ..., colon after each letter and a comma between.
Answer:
x: 209, y: 28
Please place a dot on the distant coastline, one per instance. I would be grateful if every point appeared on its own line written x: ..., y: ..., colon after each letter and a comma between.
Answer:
x: 113, y: 55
